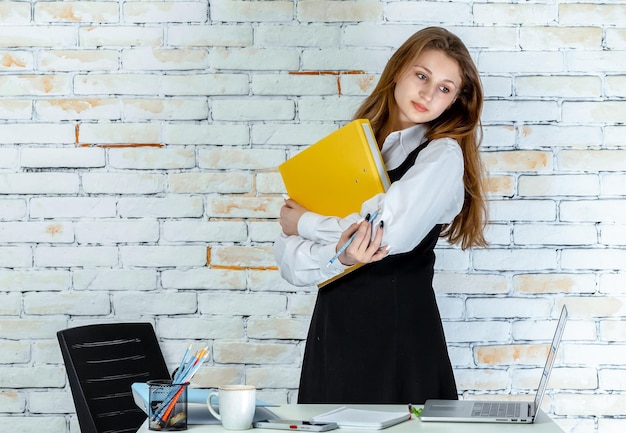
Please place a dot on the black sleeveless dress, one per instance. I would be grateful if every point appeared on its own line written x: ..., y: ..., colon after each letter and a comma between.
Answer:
x: 376, y: 334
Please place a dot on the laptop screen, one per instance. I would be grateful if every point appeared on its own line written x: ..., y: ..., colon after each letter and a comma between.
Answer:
x: 545, y: 376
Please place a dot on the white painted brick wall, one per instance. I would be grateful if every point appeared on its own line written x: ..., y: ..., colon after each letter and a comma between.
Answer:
x: 139, y: 142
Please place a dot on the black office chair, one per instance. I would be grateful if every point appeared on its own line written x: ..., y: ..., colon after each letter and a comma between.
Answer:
x: 102, y: 362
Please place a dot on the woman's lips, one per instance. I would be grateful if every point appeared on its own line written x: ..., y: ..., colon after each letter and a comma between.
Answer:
x: 419, y: 107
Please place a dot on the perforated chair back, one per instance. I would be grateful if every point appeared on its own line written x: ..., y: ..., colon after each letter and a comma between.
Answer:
x: 102, y: 362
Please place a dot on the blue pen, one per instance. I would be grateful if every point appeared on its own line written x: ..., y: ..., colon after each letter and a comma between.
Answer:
x: 347, y: 244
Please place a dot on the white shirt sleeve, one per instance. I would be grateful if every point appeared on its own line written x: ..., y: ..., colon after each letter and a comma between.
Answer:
x: 431, y: 192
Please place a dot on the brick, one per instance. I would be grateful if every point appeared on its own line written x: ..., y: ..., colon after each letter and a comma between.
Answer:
x: 594, y: 112
x: 116, y: 83
x: 81, y: 303
x: 29, y: 328
x: 78, y: 60
x: 497, y: 87
x: 15, y: 109
x: 561, y: 378
x: 214, y: 376
x: 615, y: 86
x: 68, y: 207
x: 239, y: 159
x: 477, y: 331
x: 612, y: 283
x: 121, y: 36
x: 270, y: 183
x: 118, y: 133
x: 51, y: 402
x: 52, y: 36
x: 15, y: 12
x: 282, y: 328
x: 448, y: 282
x: 515, y: 354
x: 16, y: 60
x: 204, y: 231
x: 508, y: 307
x: 243, y: 207
x: 591, y: 307
x: 19, y: 232
x: 15, y: 257
x: 271, y: 281
x: 590, y: 14
x: 613, y: 234
x: 592, y: 160
x: 557, y: 38
x: 532, y: 136
x: 164, y: 11
x: 167, y: 109
x: 554, y: 234
x: 123, y: 183
x: 66, y: 256
x: 543, y: 330
x: 12, y: 209
x: 65, y: 157
x: 242, y: 257
x: 103, y: 279
x: 559, y: 86
x: 253, y: 109
x: 205, y: 84
x: 10, y: 305
x: 213, y: 134
x: 600, y: 61
x: 344, y: 59
x: 589, y: 405
x: 301, y: 84
x: 33, y: 424
x: 34, y: 280
x: 260, y: 231
x: 206, y: 328
x: 145, y: 58
x: 171, y: 206
x: 504, y: 13
x: 558, y: 185
x: 242, y: 304
x: 39, y: 183
x: 499, y: 62
x: 458, y: 12
x: 244, y: 11
x: 592, y: 259
x: 204, y: 278
x: 234, y: 352
x: 515, y: 260
x: 12, y: 402
x: 611, y: 330
x: 302, y: 134
x: 254, y: 59
x: 289, y: 35
x: 145, y: 158
x: 104, y: 232
x: 615, y: 38
x: 8, y: 159
x: 213, y: 182
x: 214, y: 35
x: 162, y: 256
x: 328, y: 109
x: 481, y: 379
x: 267, y: 377
x: 606, y: 210
x: 37, y: 133
x: 519, y: 160
x: 76, y: 11
x: 520, y: 111
x: 129, y: 303
x: 554, y: 283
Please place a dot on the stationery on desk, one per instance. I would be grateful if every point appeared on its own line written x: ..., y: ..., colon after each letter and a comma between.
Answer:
x: 351, y: 418
x: 335, y: 175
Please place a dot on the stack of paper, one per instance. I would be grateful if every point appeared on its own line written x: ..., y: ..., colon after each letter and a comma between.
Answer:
x: 364, y: 419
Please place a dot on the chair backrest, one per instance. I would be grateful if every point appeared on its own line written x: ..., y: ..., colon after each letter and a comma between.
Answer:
x: 102, y: 362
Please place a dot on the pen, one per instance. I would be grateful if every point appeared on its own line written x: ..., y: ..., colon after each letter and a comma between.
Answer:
x: 347, y: 244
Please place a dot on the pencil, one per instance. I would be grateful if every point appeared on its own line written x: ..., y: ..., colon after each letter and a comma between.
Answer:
x: 347, y: 244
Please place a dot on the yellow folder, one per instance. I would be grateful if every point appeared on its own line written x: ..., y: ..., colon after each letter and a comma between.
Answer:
x: 335, y: 175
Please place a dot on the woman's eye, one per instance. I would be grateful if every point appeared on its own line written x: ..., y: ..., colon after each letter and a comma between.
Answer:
x: 444, y: 89
x: 421, y: 76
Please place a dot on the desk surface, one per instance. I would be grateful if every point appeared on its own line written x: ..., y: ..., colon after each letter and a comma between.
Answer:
x: 543, y: 423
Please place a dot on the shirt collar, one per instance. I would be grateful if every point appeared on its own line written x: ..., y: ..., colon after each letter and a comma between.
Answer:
x: 399, y: 144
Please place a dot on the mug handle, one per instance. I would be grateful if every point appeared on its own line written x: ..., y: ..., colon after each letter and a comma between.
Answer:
x: 210, y: 405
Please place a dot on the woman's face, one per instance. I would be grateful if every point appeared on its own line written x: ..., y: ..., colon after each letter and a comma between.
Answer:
x: 427, y: 88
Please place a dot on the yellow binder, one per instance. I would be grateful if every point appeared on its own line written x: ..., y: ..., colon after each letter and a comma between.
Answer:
x: 335, y: 175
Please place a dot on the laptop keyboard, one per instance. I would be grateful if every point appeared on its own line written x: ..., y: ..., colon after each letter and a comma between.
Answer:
x: 495, y: 409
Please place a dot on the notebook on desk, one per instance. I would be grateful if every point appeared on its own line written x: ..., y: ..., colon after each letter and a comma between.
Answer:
x: 496, y: 411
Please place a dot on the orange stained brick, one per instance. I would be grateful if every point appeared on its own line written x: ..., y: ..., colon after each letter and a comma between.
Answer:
x: 8, y: 60
x: 54, y: 229
x: 110, y: 145
x: 337, y: 73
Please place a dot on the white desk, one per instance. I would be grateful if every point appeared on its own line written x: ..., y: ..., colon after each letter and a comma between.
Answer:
x: 543, y: 423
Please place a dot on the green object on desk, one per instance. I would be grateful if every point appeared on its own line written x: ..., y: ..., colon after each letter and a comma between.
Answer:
x: 414, y: 411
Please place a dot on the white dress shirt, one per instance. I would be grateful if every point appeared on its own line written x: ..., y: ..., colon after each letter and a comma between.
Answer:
x: 431, y: 192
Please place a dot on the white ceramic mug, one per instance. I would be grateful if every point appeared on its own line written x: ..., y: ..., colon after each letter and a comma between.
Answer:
x: 236, y: 406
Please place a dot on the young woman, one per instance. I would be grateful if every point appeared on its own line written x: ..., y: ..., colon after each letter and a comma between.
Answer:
x: 376, y: 334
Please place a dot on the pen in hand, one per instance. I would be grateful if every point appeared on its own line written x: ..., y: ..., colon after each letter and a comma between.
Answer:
x: 347, y: 244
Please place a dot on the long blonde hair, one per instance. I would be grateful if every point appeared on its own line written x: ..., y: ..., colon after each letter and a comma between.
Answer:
x: 461, y: 122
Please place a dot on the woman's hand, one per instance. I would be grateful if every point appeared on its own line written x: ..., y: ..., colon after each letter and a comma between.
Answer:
x: 290, y: 214
x: 362, y: 250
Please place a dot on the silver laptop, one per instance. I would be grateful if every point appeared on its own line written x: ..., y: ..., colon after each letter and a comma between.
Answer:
x: 496, y: 411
